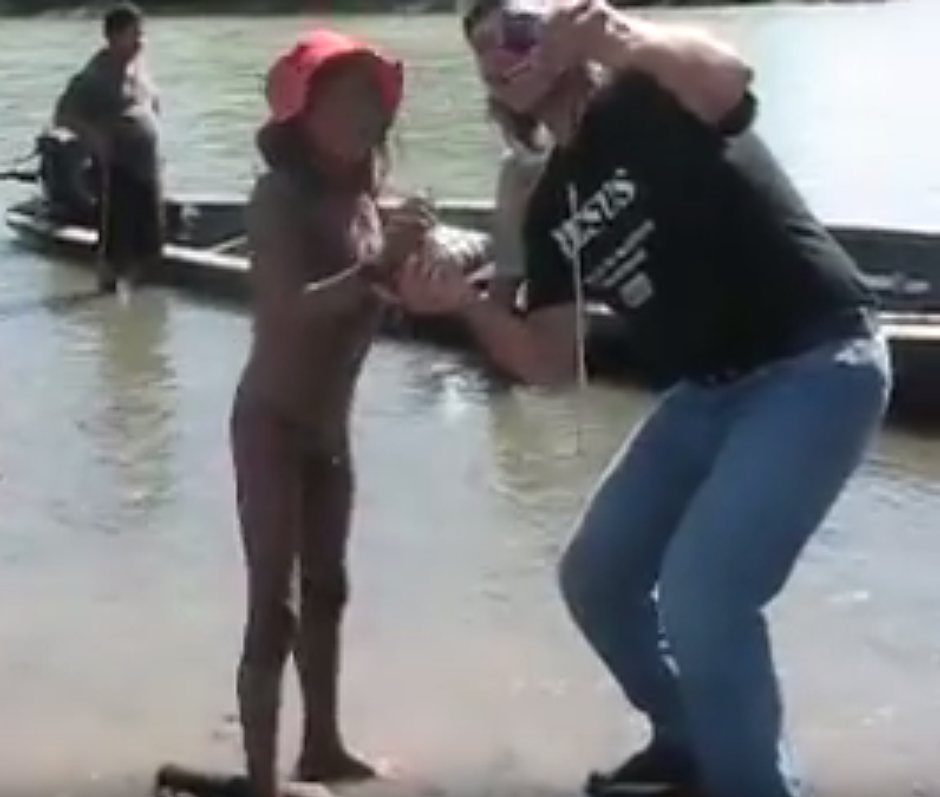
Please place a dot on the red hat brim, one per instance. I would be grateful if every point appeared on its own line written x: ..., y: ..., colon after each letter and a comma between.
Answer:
x: 289, y: 78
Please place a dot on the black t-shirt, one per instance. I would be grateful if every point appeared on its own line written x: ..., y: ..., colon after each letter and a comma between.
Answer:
x: 695, y: 237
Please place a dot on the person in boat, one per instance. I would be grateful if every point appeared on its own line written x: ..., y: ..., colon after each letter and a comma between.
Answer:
x: 320, y: 253
x: 660, y: 200
x: 519, y: 169
x: 111, y: 104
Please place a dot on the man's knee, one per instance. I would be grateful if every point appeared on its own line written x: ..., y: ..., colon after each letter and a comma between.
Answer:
x: 704, y: 618
x: 591, y: 582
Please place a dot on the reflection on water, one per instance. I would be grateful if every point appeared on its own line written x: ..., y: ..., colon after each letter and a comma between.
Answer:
x: 120, y: 549
x: 52, y: 305
x: 120, y: 575
x: 127, y: 406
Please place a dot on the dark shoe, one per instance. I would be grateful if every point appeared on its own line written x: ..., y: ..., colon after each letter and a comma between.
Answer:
x: 656, y: 770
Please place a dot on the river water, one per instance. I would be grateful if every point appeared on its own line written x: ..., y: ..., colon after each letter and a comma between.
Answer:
x: 120, y: 581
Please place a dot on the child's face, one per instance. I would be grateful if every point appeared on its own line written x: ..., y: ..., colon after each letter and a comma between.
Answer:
x: 347, y: 116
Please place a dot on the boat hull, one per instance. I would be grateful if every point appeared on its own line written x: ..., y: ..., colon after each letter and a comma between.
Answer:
x: 206, y: 254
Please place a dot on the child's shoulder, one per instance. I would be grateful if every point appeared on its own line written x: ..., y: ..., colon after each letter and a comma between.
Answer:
x: 277, y: 200
x: 272, y: 189
x: 280, y: 191
x: 272, y: 211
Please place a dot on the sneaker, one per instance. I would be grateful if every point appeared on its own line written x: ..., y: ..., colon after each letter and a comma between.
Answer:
x: 656, y: 770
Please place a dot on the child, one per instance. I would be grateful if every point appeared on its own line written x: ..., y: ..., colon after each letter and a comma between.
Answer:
x: 320, y: 255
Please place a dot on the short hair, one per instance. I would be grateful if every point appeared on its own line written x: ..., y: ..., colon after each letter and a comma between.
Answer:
x: 473, y: 11
x: 120, y: 17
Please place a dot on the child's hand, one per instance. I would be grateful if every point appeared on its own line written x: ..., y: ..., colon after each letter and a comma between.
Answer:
x: 407, y: 229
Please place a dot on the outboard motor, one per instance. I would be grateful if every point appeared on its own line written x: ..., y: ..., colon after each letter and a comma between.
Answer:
x: 69, y: 176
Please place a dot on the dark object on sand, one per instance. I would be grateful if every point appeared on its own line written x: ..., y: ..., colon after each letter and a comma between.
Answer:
x: 172, y: 780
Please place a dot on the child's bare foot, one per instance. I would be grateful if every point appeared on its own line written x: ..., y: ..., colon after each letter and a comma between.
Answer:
x: 336, y: 767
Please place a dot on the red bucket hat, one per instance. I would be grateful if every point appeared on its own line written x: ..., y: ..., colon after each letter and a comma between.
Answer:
x: 289, y: 77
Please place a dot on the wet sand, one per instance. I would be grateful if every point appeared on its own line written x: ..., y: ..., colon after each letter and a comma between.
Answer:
x: 123, y: 584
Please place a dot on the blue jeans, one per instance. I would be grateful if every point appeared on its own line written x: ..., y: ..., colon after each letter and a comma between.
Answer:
x: 693, y: 531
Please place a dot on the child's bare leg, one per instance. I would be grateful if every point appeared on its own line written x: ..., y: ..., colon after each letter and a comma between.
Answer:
x: 328, y: 496
x: 268, y: 483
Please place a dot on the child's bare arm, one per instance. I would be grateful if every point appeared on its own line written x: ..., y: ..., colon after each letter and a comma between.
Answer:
x: 281, y: 258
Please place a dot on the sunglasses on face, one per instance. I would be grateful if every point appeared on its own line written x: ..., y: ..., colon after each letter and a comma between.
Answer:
x: 514, y: 30
x: 519, y: 32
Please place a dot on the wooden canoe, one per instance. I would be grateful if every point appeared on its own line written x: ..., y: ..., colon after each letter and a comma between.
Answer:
x: 206, y: 253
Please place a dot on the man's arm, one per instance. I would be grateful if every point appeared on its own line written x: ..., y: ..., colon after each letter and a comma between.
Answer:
x: 539, y: 348
x: 73, y: 111
x: 706, y: 75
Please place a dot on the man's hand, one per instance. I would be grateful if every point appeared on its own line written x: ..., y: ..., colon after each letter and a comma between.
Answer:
x: 425, y: 287
x: 706, y: 75
x: 576, y: 33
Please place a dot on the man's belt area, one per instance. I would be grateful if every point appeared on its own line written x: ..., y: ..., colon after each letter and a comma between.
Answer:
x: 858, y: 322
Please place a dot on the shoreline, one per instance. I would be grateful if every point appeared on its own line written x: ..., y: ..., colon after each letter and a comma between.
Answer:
x: 33, y: 8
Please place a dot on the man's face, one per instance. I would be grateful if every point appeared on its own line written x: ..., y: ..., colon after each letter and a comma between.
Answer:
x: 127, y: 42
x: 503, y: 43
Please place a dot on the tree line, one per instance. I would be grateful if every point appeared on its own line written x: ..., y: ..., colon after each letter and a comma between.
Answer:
x: 261, y: 6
